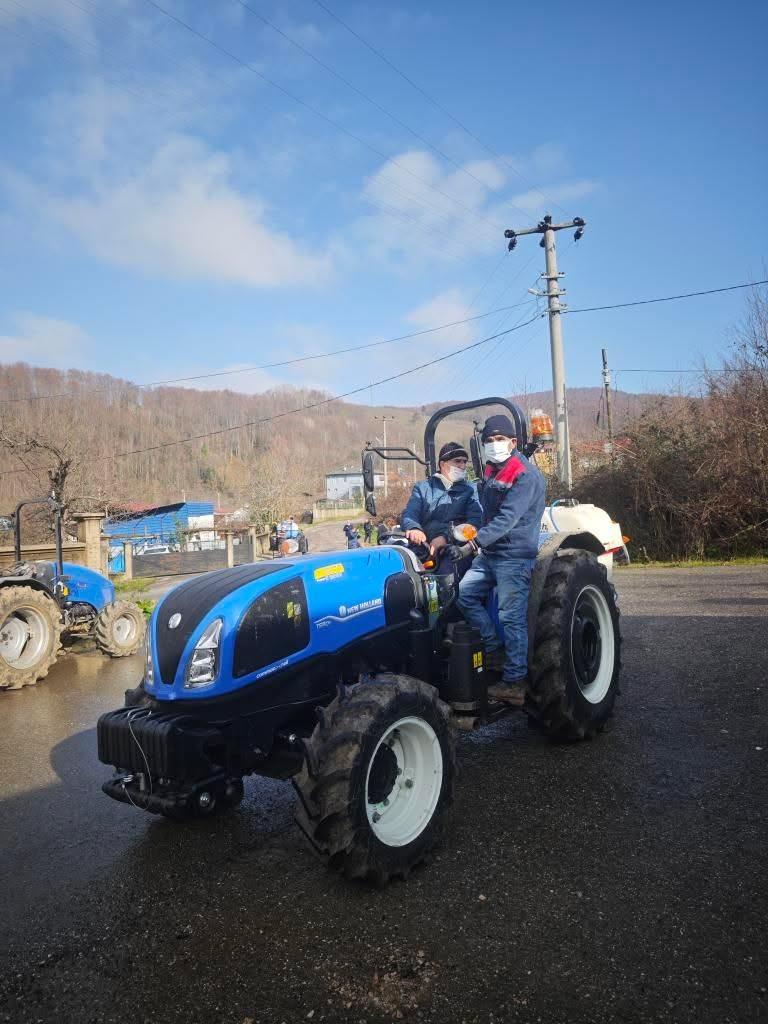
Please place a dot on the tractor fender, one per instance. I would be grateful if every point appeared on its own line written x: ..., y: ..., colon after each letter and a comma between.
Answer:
x: 25, y: 581
x: 583, y: 541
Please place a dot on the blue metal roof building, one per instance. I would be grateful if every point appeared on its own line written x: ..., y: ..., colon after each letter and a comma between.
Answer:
x: 154, y: 523
x: 159, y: 521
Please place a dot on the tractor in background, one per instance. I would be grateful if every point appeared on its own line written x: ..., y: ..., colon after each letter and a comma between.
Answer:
x: 44, y: 604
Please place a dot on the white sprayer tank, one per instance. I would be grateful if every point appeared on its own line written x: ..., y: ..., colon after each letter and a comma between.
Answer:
x: 585, y: 519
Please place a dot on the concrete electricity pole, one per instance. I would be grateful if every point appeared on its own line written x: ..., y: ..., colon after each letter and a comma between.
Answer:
x: 384, y: 420
x: 608, y: 406
x: 547, y: 229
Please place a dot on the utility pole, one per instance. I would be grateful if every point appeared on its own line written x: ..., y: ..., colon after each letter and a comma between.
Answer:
x: 384, y: 420
x: 552, y: 276
x: 608, y: 407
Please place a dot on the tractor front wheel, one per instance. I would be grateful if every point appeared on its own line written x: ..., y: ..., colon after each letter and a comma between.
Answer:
x: 576, y: 649
x: 30, y: 636
x: 377, y: 781
x: 120, y: 629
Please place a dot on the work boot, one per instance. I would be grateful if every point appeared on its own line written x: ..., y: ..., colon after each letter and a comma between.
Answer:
x: 512, y: 692
x: 494, y: 660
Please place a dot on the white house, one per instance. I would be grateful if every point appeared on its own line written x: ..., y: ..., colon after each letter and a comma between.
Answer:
x: 348, y: 485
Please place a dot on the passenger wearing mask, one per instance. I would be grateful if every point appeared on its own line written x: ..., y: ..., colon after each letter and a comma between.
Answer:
x: 513, y: 503
x: 444, y: 498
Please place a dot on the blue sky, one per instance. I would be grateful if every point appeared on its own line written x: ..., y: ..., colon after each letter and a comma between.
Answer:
x: 166, y: 212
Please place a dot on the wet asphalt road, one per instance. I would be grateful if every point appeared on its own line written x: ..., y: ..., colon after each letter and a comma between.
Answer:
x: 622, y: 879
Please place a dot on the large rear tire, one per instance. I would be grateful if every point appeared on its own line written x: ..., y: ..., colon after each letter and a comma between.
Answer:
x: 377, y: 781
x: 30, y: 636
x: 577, y: 649
x: 120, y: 629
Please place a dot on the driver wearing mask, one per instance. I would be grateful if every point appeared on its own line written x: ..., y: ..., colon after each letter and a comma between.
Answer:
x: 444, y: 498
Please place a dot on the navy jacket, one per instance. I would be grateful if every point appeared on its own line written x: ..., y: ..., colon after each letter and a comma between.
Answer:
x: 513, y: 503
x: 432, y: 508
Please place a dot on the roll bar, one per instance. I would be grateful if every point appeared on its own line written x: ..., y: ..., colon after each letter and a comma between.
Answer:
x: 516, y: 413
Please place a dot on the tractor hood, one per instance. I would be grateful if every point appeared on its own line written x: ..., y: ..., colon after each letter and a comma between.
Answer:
x: 184, y: 608
x: 263, y: 617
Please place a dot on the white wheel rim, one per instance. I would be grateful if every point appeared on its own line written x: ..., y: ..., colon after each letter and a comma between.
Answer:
x: 124, y: 630
x: 414, y: 766
x: 24, y: 638
x: 593, y: 644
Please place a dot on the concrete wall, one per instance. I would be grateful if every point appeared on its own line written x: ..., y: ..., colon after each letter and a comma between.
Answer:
x: 74, y: 551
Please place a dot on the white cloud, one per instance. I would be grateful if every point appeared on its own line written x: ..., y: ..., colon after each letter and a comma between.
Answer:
x: 533, y: 201
x: 182, y: 217
x: 44, y: 341
x: 445, y: 308
x: 420, y: 212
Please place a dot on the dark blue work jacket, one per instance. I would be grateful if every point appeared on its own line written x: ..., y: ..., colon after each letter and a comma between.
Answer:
x: 432, y: 508
x: 513, y: 503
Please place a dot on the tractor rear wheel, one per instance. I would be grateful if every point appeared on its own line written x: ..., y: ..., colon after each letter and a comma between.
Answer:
x: 30, y: 636
x: 576, y: 649
x: 377, y: 781
x: 120, y: 629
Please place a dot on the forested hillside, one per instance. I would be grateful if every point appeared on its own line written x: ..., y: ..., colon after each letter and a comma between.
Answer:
x: 78, y: 437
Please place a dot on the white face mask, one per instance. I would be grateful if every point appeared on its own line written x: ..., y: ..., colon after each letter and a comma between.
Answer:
x: 497, y: 451
x: 455, y: 474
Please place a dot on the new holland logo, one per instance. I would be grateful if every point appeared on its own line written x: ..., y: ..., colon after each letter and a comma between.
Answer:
x: 174, y: 620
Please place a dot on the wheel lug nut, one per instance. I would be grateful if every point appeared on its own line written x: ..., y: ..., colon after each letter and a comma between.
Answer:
x: 375, y: 817
x: 385, y: 801
x: 409, y: 783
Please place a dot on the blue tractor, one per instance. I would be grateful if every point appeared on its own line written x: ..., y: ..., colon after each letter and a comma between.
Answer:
x: 349, y: 673
x: 44, y: 604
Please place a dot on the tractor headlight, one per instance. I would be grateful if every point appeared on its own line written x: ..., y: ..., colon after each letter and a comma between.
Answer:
x: 149, y: 668
x: 203, y: 666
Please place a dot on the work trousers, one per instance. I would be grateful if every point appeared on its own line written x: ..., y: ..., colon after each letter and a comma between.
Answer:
x: 512, y: 579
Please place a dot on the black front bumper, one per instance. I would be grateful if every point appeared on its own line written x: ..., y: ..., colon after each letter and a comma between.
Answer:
x: 163, y: 743
x: 166, y: 763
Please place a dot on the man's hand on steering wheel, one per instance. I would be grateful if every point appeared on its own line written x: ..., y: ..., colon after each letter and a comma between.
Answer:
x: 437, y: 543
x: 416, y: 536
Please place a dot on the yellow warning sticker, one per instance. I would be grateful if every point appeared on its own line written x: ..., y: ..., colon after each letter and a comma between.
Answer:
x: 289, y: 609
x: 329, y: 572
x: 477, y: 660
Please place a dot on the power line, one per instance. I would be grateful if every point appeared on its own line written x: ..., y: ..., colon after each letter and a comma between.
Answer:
x: 387, y: 341
x: 667, y: 298
x: 435, y: 103
x: 369, y: 99
x: 293, y: 412
x: 318, y: 113
x: 263, y: 366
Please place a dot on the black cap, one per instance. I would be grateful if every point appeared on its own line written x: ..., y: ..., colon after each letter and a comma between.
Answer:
x: 498, y: 425
x: 452, y: 450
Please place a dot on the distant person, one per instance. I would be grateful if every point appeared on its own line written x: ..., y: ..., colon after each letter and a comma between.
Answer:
x: 353, y: 538
x: 367, y: 531
x: 289, y: 529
